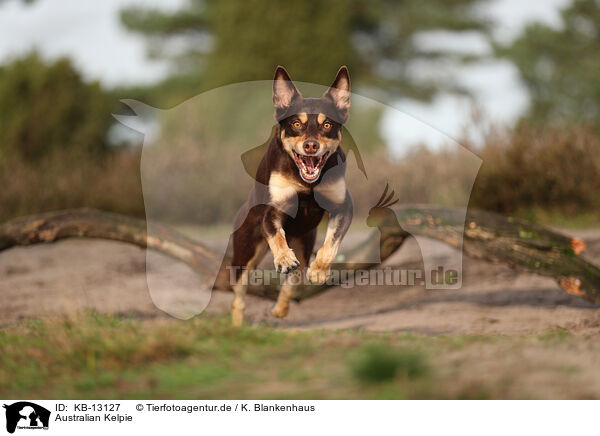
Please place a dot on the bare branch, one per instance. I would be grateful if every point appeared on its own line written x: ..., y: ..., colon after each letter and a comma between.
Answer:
x: 487, y: 236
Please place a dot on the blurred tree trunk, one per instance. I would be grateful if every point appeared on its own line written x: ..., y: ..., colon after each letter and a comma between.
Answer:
x: 488, y: 236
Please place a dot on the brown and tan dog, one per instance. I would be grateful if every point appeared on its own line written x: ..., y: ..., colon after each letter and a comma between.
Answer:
x: 303, y: 171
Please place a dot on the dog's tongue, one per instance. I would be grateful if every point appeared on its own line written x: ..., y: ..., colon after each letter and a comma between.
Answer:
x: 309, y: 166
x: 310, y: 162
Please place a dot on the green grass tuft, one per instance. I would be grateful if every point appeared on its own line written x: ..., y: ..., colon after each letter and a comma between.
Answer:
x: 98, y: 356
x: 377, y: 363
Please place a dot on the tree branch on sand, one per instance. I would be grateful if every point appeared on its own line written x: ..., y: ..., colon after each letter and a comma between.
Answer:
x: 488, y: 236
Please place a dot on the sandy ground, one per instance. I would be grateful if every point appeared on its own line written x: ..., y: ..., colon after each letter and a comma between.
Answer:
x: 110, y: 277
x: 68, y: 276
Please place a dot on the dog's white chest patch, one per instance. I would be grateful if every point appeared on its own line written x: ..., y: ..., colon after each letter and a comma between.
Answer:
x: 282, y: 188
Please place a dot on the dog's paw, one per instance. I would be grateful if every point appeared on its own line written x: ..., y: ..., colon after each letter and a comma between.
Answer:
x: 286, y: 261
x: 317, y: 274
x: 280, y: 310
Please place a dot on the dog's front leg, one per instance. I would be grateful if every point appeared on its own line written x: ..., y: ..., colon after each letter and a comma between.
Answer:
x: 283, y: 256
x: 340, y: 218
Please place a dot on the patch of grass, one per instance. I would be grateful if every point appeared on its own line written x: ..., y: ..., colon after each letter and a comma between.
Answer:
x: 556, y: 335
x: 377, y: 363
x: 98, y: 356
x: 557, y: 218
x: 569, y: 369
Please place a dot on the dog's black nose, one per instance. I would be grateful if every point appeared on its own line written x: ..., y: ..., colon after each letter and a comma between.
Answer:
x: 311, y: 147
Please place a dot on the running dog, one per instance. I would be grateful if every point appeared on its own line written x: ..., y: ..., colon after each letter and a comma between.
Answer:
x: 303, y: 171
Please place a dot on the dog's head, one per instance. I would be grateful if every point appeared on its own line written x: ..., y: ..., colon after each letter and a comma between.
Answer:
x: 311, y: 128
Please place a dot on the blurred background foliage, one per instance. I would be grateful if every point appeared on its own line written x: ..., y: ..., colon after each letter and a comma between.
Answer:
x: 47, y: 107
x: 56, y: 152
x: 215, y: 43
x: 560, y: 66
x: 223, y: 42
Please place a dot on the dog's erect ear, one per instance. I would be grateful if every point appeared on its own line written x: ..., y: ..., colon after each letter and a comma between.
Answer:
x: 284, y: 90
x: 339, y: 92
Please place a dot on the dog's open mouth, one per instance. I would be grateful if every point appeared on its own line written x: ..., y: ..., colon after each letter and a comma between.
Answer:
x: 310, y: 166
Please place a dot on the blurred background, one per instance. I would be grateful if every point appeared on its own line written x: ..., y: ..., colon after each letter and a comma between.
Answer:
x: 514, y: 82
x: 490, y: 103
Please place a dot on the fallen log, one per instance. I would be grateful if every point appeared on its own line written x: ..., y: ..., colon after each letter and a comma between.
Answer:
x: 488, y: 236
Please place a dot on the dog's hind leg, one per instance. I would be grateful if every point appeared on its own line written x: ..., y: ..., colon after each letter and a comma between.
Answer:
x: 303, y: 248
x: 243, y: 262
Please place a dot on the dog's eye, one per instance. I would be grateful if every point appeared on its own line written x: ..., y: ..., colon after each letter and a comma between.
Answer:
x: 297, y: 124
x: 327, y: 125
